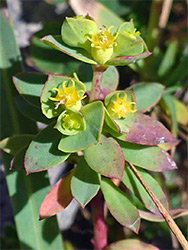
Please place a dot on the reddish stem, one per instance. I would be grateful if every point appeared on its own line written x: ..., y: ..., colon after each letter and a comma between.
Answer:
x: 96, y: 83
x: 99, y: 240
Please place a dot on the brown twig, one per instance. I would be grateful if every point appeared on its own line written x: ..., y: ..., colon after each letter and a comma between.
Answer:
x: 172, y: 225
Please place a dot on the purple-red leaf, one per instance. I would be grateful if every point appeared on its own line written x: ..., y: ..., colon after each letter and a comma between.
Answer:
x: 145, y: 130
x: 58, y: 198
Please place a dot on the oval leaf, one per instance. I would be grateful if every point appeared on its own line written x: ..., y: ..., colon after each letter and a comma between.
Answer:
x: 145, y: 130
x: 120, y: 206
x: 147, y: 95
x: 106, y: 158
x: 132, y: 183
x: 149, y: 157
x: 85, y: 183
x: 43, y: 153
x: 78, y: 53
x: 58, y: 198
x: 94, y: 118
x: 30, y: 85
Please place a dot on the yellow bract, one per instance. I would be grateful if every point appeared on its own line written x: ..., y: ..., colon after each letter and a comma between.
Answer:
x: 120, y: 108
x: 68, y: 96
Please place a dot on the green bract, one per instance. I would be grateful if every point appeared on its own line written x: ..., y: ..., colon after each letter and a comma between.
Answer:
x: 82, y: 40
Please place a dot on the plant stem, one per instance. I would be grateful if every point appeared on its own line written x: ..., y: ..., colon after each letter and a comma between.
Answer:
x: 99, y: 240
x: 172, y: 225
x: 96, y: 83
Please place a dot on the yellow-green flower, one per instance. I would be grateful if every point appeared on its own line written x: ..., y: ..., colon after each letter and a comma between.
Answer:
x: 68, y: 96
x: 120, y: 107
x: 102, y: 45
x: 70, y: 122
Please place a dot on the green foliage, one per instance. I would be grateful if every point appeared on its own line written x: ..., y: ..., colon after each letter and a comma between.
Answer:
x: 90, y: 121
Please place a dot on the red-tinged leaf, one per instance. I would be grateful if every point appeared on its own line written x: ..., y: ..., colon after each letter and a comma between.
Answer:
x: 145, y: 130
x: 125, y: 60
x: 131, y: 244
x: 175, y: 213
x: 58, y: 198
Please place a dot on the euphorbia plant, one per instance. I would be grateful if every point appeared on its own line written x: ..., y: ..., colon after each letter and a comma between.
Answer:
x: 106, y: 128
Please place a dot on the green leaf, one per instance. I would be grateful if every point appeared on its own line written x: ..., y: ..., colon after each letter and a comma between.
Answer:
x: 169, y: 107
x: 145, y: 130
x: 116, y: 7
x: 78, y: 53
x: 75, y: 31
x: 55, y: 81
x: 45, y: 58
x: 175, y: 213
x: 13, y: 144
x: 120, y: 205
x: 125, y: 60
x: 178, y: 74
x: 58, y: 198
x: 94, y: 118
x: 26, y: 193
x: 30, y: 85
x: 43, y: 153
x: 110, y: 78
x: 106, y: 157
x: 131, y: 244
x: 17, y: 162
x: 132, y: 183
x: 30, y: 111
x: 147, y: 95
x: 10, y: 64
x: 168, y: 59
x: 181, y: 112
x: 148, y: 157
x: 85, y: 183
x: 110, y: 125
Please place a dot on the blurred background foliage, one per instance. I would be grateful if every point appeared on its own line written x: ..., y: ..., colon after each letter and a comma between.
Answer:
x: 166, y: 37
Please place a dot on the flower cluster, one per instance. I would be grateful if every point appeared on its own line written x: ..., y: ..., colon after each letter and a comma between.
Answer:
x: 70, y: 121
